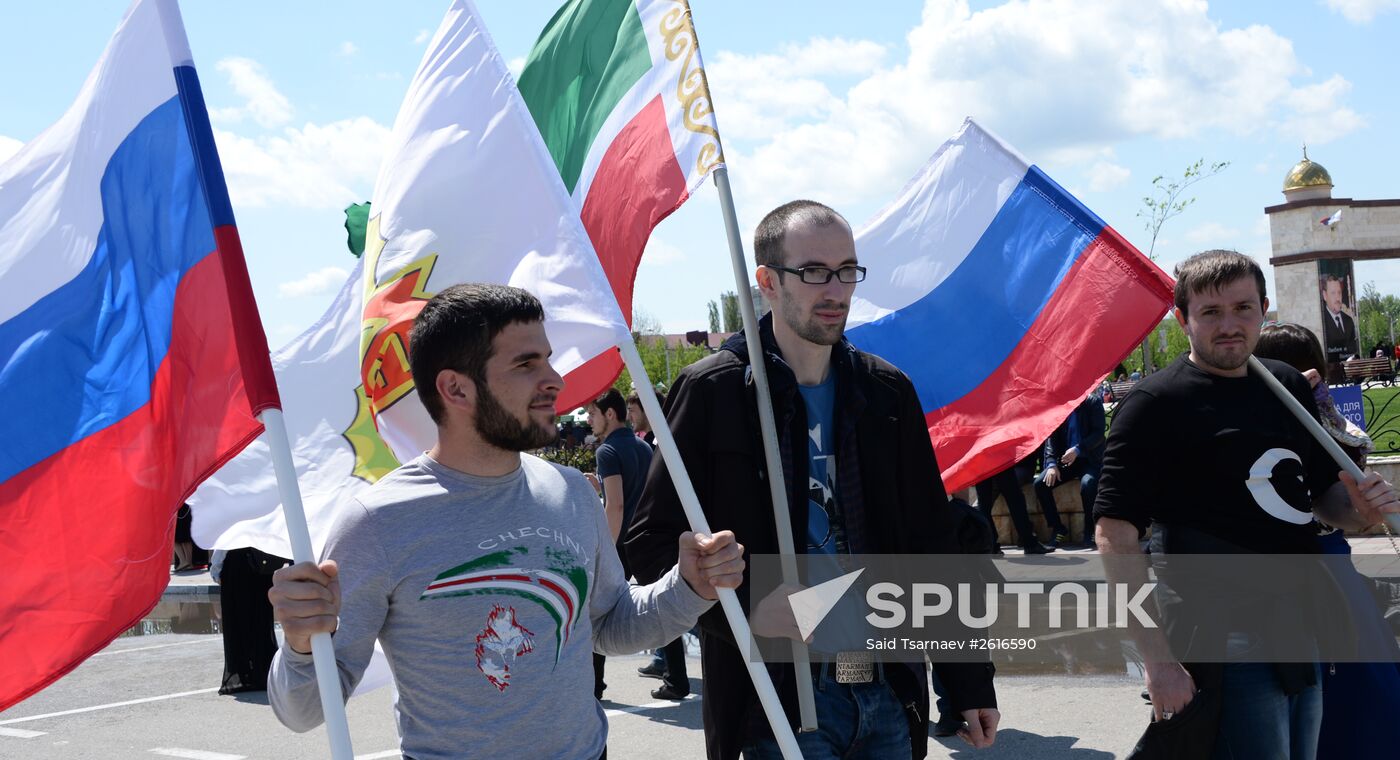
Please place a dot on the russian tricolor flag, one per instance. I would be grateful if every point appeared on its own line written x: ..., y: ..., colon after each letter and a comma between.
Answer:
x: 132, y: 360
x: 1002, y: 297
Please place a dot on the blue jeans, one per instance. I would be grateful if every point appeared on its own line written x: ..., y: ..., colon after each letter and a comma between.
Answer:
x: 1258, y: 720
x: 858, y: 720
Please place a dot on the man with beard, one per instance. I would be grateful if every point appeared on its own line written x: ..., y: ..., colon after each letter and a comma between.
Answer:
x: 488, y: 576
x: 1213, y: 461
x: 861, y: 479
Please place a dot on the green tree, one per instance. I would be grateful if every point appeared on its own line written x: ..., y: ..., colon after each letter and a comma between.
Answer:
x: 1376, y: 317
x: 1166, y: 202
x: 662, y: 363
x: 714, y: 317
x: 729, y: 308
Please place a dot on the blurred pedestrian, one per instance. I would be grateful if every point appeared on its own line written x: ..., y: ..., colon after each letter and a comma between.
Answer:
x: 244, y: 577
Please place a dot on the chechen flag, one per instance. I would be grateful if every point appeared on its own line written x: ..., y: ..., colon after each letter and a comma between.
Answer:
x: 468, y: 193
x: 131, y: 353
x: 1002, y: 297
x: 618, y: 91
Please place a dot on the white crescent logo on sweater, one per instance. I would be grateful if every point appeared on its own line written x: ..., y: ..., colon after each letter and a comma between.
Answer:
x: 1261, y: 487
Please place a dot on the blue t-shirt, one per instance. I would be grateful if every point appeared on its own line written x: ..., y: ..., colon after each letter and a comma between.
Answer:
x: 826, y: 529
x: 825, y: 532
x: 623, y: 453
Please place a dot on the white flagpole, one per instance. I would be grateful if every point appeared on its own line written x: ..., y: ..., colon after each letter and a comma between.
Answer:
x: 733, y: 612
x: 777, y: 484
x: 322, y: 652
x: 1323, y: 437
x: 327, y: 677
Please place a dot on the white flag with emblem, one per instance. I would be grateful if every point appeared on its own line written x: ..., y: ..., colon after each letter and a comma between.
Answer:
x: 467, y: 193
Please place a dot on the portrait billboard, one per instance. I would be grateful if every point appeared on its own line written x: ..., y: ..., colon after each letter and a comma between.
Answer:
x: 1336, y: 288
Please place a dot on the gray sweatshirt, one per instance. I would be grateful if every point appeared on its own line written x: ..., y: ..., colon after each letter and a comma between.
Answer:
x: 489, y: 596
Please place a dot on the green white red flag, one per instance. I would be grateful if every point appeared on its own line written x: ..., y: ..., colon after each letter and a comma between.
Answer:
x: 618, y: 91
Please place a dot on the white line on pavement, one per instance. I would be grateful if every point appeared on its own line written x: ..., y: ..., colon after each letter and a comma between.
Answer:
x: 378, y: 755
x: 643, y: 708
x: 19, y: 733
x: 194, y: 754
x: 108, y: 707
x: 160, y: 646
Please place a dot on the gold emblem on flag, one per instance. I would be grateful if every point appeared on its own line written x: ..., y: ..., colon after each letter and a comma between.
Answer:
x: 373, y: 458
x: 693, y: 89
x: 389, y: 310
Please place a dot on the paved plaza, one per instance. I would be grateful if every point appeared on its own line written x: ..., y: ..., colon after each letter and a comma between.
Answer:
x: 155, y: 696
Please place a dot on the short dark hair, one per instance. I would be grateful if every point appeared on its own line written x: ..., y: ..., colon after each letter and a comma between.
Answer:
x: 611, y: 401
x: 1211, y: 271
x: 456, y: 330
x: 1293, y: 345
x: 768, y: 237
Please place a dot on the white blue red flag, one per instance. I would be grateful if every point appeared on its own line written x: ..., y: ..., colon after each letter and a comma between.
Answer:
x: 131, y: 355
x: 1002, y: 297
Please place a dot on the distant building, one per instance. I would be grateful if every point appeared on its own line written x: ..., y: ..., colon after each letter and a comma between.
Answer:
x: 1315, y: 240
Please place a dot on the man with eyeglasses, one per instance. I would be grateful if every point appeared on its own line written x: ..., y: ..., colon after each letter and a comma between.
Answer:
x: 861, y: 479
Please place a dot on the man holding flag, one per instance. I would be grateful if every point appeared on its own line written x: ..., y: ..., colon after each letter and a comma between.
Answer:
x: 488, y: 576
x: 1208, y: 457
x: 867, y: 484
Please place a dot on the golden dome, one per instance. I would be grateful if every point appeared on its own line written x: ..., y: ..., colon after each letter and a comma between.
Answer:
x: 1305, y: 174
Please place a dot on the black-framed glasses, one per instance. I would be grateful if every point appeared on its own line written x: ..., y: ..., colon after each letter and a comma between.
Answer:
x: 815, y: 275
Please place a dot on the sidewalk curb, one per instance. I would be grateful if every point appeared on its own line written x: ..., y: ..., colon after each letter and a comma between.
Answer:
x: 190, y: 589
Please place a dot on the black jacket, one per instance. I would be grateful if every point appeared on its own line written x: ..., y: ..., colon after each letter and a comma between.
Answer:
x: 890, y: 491
x: 1092, y: 438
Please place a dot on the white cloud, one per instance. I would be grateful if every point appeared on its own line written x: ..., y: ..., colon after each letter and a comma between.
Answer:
x: 314, y: 283
x: 315, y: 166
x: 1055, y: 78
x: 1318, y: 114
x: 1362, y: 11
x: 348, y: 48
x: 662, y: 253
x: 516, y: 65
x: 8, y: 147
x: 262, y: 101
x: 1105, y: 176
x: 763, y: 94
x: 1213, y: 233
x: 423, y: 36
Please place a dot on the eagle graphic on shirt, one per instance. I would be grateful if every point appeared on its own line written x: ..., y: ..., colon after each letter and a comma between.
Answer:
x: 555, y: 583
x: 500, y: 643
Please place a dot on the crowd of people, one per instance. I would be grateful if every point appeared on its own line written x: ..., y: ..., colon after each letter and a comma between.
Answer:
x: 497, y: 582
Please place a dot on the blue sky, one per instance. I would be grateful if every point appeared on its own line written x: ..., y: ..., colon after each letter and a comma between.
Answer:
x: 836, y: 101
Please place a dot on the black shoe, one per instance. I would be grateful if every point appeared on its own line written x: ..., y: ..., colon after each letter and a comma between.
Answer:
x: 667, y: 691
x: 1061, y: 536
x: 997, y: 552
x: 947, y: 725
x: 653, y: 670
x: 1038, y: 549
